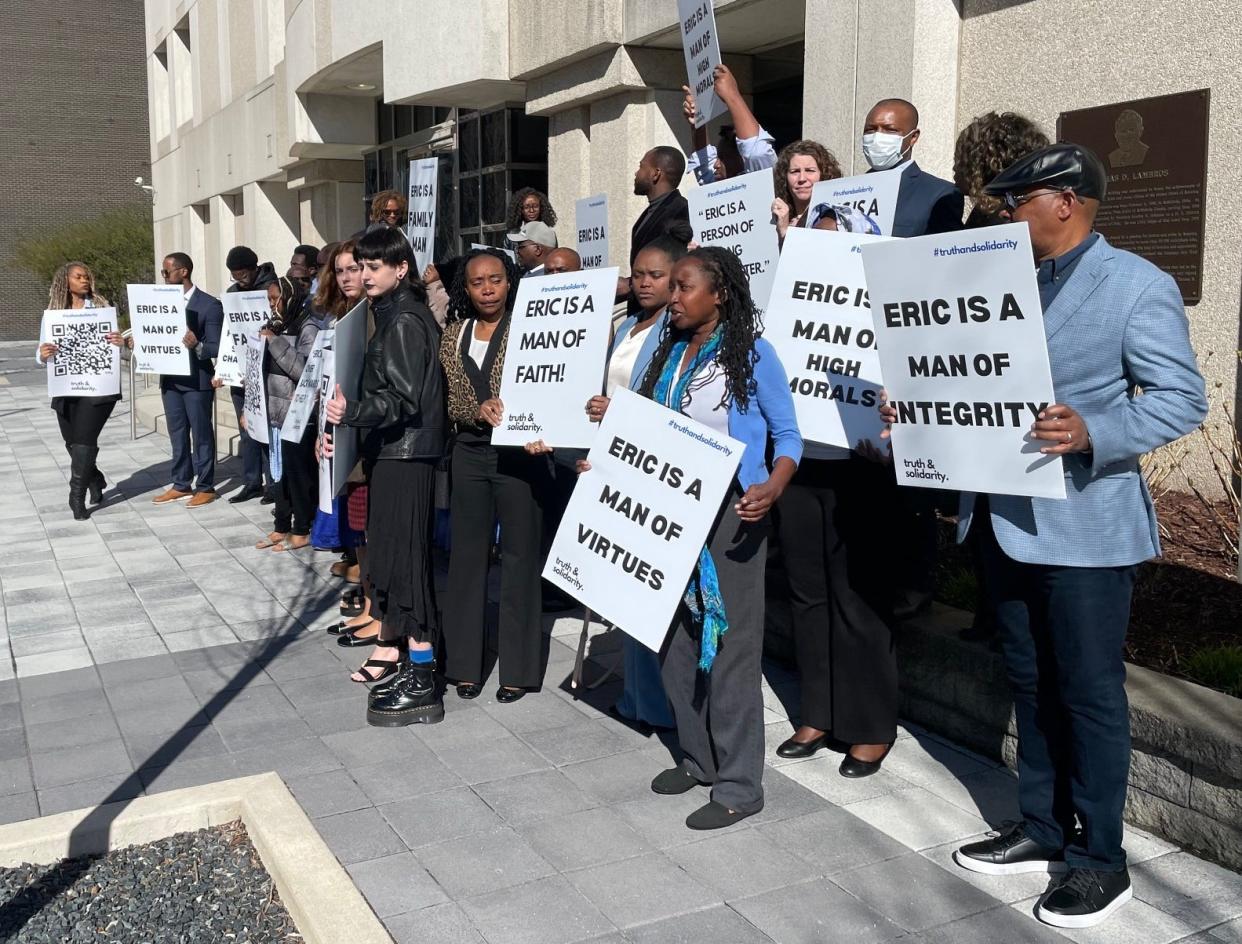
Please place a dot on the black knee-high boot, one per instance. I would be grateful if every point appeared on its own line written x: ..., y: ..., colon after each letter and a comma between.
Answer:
x: 81, y: 461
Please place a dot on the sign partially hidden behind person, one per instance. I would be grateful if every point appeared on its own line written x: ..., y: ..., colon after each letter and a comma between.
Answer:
x: 1155, y: 152
x: 85, y: 364
x: 555, y: 358
x: 873, y: 195
x: 638, y: 519
x: 961, y: 340
x: 349, y: 344
x: 701, y: 46
x: 306, y: 393
x: 737, y: 214
x: 244, y: 314
x: 157, y: 315
x: 255, y: 401
x: 591, y: 221
x: 327, y: 383
x: 420, y: 225
x: 819, y: 321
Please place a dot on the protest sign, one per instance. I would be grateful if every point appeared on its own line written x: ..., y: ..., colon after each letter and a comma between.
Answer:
x: 349, y: 346
x: 636, y: 521
x: 327, y: 383
x: 255, y: 402
x: 874, y: 195
x: 555, y: 358
x: 420, y: 225
x: 244, y: 314
x: 508, y: 252
x: 157, y: 316
x: 701, y: 46
x: 591, y: 219
x: 961, y: 341
x: 737, y: 214
x: 85, y: 364
x: 306, y: 393
x: 819, y: 321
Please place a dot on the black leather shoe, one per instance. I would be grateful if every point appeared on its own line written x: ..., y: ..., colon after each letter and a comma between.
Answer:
x: 384, y: 687
x: 267, y: 499
x: 411, y: 699
x: 341, y: 629
x: 716, y: 816
x: 468, y: 690
x: 508, y: 695
x: 1010, y: 852
x: 1084, y: 898
x: 675, y: 780
x: 351, y: 640
x: 854, y: 768
x: 792, y: 748
x: 246, y: 494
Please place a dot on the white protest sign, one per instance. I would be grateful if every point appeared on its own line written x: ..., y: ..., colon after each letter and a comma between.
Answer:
x: 420, y: 225
x: 85, y: 364
x: 591, y: 220
x: 874, y: 195
x: 737, y: 214
x: 555, y: 358
x: 244, y: 314
x: 306, y: 393
x: 327, y: 383
x: 636, y: 521
x: 819, y: 321
x: 701, y: 46
x: 349, y: 345
x: 255, y: 408
x: 508, y: 252
x: 961, y: 335
x: 157, y: 316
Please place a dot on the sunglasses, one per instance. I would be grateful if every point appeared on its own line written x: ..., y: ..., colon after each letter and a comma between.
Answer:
x: 1013, y: 201
x: 167, y: 272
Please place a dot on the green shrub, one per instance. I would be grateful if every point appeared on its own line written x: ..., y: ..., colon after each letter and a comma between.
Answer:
x: 117, y: 245
x: 1219, y: 668
x: 957, y: 586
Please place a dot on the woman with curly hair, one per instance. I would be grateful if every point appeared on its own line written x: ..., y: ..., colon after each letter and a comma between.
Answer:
x: 985, y: 147
x: 713, y: 366
x: 81, y: 419
x: 799, y: 167
x: 388, y: 208
x: 489, y: 483
x: 527, y: 206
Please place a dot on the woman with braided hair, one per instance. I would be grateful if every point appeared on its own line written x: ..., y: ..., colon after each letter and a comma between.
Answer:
x: 489, y: 483
x: 713, y: 367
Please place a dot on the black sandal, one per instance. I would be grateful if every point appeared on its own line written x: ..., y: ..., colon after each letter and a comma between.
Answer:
x: 389, y: 668
x: 340, y: 629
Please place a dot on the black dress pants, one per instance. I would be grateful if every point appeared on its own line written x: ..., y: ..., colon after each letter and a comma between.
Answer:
x: 509, y: 485
x: 833, y: 528
x: 297, y: 492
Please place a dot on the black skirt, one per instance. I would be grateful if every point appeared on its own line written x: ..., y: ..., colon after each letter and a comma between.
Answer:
x: 399, y: 542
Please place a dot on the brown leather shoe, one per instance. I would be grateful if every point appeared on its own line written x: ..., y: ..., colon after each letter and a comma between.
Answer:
x: 170, y: 496
x: 202, y: 498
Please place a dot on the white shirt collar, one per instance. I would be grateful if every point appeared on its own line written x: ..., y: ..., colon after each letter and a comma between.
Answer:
x: 190, y: 291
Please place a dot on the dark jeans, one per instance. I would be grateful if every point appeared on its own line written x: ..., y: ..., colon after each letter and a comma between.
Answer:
x: 297, y: 492
x: 1062, y: 630
x: 253, y: 467
x: 189, y: 414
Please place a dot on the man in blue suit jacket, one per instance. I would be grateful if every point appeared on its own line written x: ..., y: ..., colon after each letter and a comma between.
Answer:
x: 187, y: 400
x: 1060, y: 573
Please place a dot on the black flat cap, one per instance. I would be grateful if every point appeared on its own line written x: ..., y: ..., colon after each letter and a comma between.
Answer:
x: 1060, y: 166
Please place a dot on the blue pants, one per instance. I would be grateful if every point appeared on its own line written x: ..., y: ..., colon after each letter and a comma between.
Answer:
x: 253, y: 460
x: 1062, y: 630
x: 188, y: 413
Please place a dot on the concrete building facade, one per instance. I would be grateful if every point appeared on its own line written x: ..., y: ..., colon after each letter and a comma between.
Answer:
x: 272, y: 121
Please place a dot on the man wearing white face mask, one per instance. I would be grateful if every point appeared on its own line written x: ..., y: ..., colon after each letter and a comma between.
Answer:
x: 925, y: 204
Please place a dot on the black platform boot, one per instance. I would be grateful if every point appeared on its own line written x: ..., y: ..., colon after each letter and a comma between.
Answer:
x: 79, y: 470
x: 411, y: 698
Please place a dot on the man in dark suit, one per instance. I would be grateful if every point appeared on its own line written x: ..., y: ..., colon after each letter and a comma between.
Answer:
x: 668, y: 214
x: 187, y: 400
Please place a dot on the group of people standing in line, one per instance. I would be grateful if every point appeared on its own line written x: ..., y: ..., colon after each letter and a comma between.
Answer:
x: 857, y: 550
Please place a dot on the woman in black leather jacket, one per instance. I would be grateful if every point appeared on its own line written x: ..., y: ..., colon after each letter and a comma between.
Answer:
x: 401, y: 419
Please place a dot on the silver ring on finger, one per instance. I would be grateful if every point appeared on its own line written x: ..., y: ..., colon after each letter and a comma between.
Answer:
x: 1069, y: 437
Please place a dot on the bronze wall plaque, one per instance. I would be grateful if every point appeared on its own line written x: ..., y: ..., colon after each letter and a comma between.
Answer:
x: 1155, y: 151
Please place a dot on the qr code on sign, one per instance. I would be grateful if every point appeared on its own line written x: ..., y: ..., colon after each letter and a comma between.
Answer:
x: 81, y: 349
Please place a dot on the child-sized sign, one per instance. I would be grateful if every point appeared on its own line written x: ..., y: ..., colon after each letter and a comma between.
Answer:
x: 873, y: 195
x: 961, y: 336
x: 244, y: 314
x: 420, y: 225
x: 157, y: 315
x: 255, y: 402
x: 636, y: 522
x: 591, y: 219
x: 85, y: 363
x: 819, y: 321
x: 701, y: 46
x: 737, y: 214
x: 555, y: 358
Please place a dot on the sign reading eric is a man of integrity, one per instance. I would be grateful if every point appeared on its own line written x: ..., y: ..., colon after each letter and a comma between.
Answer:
x: 737, y: 215
x: 554, y: 361
x: 960, y: 331
x: 157, y: 315
x: 591, y: 220
x: 638, y: 518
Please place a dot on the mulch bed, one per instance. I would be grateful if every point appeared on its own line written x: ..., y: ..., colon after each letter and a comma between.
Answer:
x: 203, y: 887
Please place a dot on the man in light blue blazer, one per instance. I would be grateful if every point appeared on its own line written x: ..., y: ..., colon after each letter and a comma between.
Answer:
x: 1060, y: 573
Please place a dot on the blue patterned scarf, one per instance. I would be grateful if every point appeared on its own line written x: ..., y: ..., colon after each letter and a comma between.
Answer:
x: 703, y: 591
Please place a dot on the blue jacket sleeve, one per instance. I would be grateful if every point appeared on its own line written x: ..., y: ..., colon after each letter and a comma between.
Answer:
x: 212, y: 325
x: 776, y: 403
x: 1158, y: 359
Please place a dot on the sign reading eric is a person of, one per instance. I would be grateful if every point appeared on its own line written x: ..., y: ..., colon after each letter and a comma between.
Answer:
x: 736, y: 214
